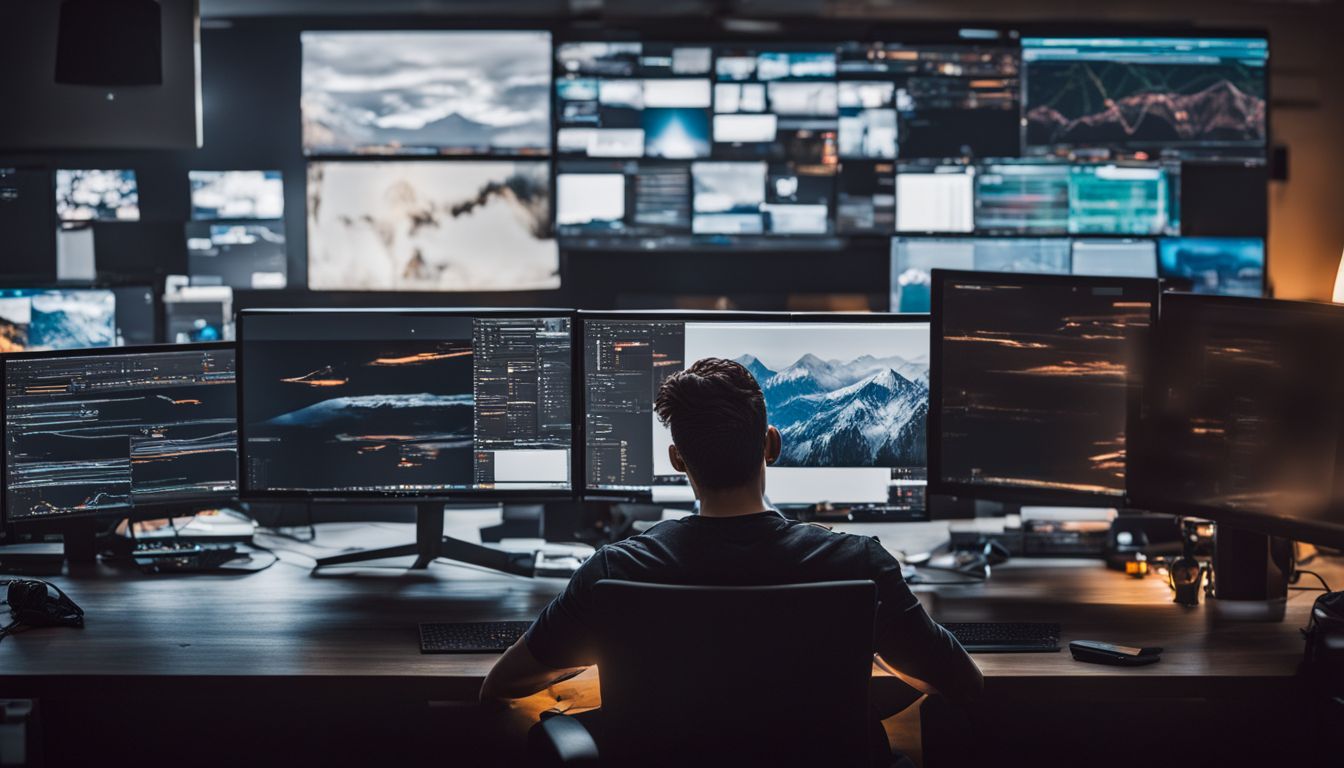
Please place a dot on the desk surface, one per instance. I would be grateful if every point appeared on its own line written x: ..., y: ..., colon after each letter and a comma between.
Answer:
x: 357, y: 626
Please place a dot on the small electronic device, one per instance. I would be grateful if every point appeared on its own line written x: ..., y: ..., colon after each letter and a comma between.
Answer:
x: 1097, y: 652
x: 471, y: 636
x: 167, y: 557
x: 37, y: 559
x: 1006, y: 637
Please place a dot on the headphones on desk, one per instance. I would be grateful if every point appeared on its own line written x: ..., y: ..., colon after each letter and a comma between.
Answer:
x: 36, y: 603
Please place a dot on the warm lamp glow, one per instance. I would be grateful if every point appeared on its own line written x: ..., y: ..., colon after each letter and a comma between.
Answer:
x: 1338, y: 296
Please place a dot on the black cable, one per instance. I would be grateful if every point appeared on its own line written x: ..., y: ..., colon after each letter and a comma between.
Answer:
x: 1318, y: 576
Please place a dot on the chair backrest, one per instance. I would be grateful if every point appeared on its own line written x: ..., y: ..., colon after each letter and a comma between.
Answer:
x: 768, y: 675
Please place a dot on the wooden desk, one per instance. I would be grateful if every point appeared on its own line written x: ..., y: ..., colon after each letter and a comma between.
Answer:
x: 271, y: 645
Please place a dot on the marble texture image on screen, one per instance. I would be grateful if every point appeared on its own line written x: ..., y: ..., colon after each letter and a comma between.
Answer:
x: 360, y: 415
x: 439, y: 226
x: 237, y: 195
x: 71, y: 319
x: 428, y: 92
x: 97, y: 195
x: 841, y: 396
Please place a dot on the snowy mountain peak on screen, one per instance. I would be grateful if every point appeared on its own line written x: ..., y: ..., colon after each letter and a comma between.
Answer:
x: 756, y: 368
x: 863, y: 413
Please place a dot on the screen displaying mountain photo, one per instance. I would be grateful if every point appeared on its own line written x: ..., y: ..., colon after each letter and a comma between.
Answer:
x: 431, y: 226
x: 841, y: 394
x: 426, y: 93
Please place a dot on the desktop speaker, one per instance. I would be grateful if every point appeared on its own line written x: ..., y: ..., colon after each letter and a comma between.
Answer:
x: 109, y: 43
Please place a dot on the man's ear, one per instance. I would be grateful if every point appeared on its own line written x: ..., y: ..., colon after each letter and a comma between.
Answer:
x: 675, y: 455
x: 774, y: 445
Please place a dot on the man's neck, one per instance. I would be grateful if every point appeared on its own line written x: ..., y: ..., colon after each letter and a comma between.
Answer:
x: 733, y: 502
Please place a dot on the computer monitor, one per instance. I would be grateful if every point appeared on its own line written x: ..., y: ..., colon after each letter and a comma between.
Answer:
x: 1232, y: 266
x: 249, y: 255
x: 97, y: 195
x: 1241, y: 420
x: 136, y: 315
x: 950, y: 100
x: 1030, y: 385
x: 116, y: 431
x: 453, y: 225
x: 1174, y: 96
x: 935, y: 198
x: 233, y: 195
x: 1022, y: 198
x: 913, y: 260
x: 865, y: 198
x: 424, y: 404
x: 426, y: 92
x: 1123, y: 199
x: 847, y: 392
x: 27, y: 219
x: 57, y: 318
x: 1114, y: 257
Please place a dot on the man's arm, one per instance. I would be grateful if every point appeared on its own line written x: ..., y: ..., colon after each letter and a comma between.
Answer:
x: 518, y: 674
x: 559, y: 644
x: 920, y: 652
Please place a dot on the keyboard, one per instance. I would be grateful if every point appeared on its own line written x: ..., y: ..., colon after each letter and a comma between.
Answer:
x: 471, y: 636
x: 1006, y: 637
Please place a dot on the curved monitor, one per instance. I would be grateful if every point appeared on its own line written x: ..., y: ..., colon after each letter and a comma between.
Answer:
x: 351, y: 404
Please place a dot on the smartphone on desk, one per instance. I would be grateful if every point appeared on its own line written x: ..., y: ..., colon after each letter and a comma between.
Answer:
x: 1097, y: 652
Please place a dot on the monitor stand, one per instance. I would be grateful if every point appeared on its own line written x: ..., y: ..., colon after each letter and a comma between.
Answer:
x: 80, y: 537
x: 430, y: 545
x: 1250, y: 575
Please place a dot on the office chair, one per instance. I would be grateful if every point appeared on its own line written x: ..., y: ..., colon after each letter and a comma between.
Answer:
x: 697, y: 676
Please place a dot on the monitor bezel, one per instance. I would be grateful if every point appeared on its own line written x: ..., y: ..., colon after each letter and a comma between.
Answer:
x: 336, y: 496
x: 1003, y: 493
x: 1147, y: 497
x: 149, y: 511
x: 581, y: 399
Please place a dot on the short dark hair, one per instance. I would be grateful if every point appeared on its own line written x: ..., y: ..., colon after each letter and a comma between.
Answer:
x: 716, y: 412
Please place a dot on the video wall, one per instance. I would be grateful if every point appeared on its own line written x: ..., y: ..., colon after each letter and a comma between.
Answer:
x: 479, y: 161
x: 1054, y: 154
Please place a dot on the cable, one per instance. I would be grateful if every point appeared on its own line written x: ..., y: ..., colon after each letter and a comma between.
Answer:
x: 1299, y: 572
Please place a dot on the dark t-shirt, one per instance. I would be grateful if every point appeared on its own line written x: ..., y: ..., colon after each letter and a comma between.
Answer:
x: 757, y: 549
